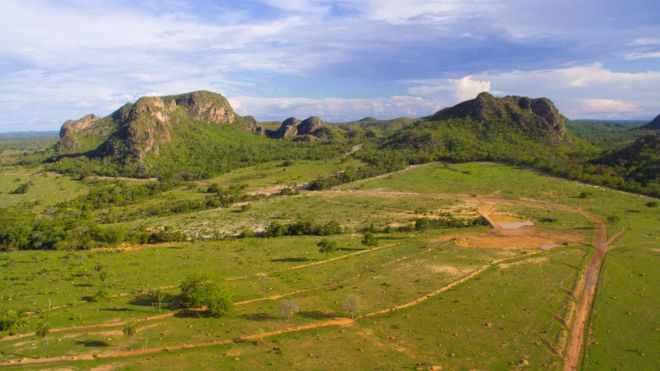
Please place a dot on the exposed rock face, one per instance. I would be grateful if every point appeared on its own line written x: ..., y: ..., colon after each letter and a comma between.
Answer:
x: 70, y: 128
x: 533, y: 116
x: 288, y: 129
x: 293, y: 127
x: 138, y: 129
x: 310, y: 125
x: 653, y: 125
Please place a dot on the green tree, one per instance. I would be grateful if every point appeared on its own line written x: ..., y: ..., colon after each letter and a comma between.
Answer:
x: 369, y: 239
x: 12, y: 320
x: 197, y: 291
x: 327, y: 246
x: 422, y: 224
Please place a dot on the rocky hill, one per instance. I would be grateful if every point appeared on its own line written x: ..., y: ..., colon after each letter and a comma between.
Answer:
x: 140, y: 129
x: 653, y: 125
x: 537, y: 118
x: 309, y: 129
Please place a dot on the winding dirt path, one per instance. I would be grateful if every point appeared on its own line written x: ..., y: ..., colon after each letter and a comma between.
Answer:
x: 575, y: 347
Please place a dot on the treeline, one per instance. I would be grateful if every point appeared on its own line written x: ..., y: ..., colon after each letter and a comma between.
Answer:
x: 634, y: 169
x: 298, y: 228
x: 23, y: 230
x: 72, y: 224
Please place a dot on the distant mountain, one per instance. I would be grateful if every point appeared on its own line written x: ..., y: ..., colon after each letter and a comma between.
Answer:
x: 653, y: 125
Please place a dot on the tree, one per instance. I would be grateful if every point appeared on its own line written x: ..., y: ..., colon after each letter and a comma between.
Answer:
x: 332, y: 227
x: 351, y: 306
x: 288, y: 308
x: 369, y: 239
x: 196, y: 291
x: 326, y: 246
x: 422, y: 224
x: 42, y: 331
x: 12, y: 320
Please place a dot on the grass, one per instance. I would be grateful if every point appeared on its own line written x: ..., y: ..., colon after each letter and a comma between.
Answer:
x: 279, y: 173
x: 46, y: 189
x: 508, y: 316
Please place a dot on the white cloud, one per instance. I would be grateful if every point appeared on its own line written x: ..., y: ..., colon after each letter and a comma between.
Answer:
x: 642, y: 55
x: 468, y: 88
x: 332, y: 108
x: 607, y: 106
x: 579, y: 92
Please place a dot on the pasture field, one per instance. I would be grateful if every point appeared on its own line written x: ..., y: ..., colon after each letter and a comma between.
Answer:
x: 470, y: 297
x: 44, y: 188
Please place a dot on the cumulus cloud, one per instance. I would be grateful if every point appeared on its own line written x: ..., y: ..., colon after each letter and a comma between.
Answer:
x: 468, y: 88
x: 608, y: 106
x: 333, y: 108
x: 401, y: 57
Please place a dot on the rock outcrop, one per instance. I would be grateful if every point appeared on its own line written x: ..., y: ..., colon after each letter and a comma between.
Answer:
x: 139, y: 129
x: 538, y: 117
x: 68, y: 133
x: 292, y: 127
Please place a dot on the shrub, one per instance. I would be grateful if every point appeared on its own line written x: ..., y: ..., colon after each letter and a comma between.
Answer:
x: 197, y: 292
x: 22, y: 189
x: 327, y: 246
x: 369, y: 239
x: 422, y: 224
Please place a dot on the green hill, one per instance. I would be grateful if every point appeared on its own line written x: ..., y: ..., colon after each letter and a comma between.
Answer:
x: 192, y: 135
x: 512, y: 129
x: 639, y: 162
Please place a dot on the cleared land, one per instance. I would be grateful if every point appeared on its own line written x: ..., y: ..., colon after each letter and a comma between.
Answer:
x: 515, y: 295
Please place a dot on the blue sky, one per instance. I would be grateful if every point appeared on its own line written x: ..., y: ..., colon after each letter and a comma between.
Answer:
x: 341, y: 60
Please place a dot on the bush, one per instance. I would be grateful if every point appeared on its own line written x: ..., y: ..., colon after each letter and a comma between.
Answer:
x: 12, y: 320
x: 196, y: 291
x: 327, y: 246
x: 22, y: 189
x: 422, y: 224
x: 652, y: 204
x: 369, y: 239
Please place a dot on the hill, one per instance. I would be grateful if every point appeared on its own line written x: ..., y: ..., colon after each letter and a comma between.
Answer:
x: 653, y: 124
x: 512, y: 129
x: 639, y: 162
x: 195, y: 135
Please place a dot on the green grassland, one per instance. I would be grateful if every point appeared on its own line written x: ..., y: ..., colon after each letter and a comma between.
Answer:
x: 463, y: 308
x: 45, y: 189
x: 283, y: 173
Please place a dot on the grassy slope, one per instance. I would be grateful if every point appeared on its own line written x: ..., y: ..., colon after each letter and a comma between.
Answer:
x: 530, y: 296
x: 628, y: 278
x: 47, y: 189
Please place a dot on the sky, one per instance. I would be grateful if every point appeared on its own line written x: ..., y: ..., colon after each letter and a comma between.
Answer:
x: 341, y: 60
